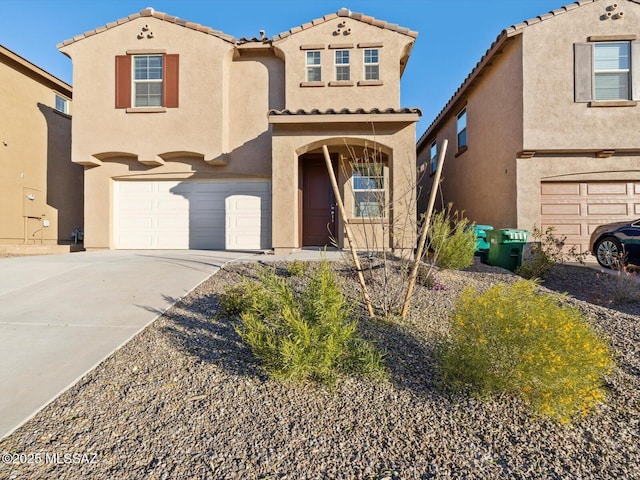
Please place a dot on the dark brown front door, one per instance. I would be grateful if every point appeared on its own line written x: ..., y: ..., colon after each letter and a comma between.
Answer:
x: 318, y: 204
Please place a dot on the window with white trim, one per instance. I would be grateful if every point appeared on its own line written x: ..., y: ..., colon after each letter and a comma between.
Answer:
x: 607, y: 71
x: 462, y: 128
x: 314, y: 70
x: 147, y: 80
x: 611, y: 71
x: 343, y: 69
x: 371, y: 64
x: 433, y: 160
x: 62, y: 104
x: 368, y: 190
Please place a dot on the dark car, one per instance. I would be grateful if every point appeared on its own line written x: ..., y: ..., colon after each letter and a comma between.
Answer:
x: 616, y: 242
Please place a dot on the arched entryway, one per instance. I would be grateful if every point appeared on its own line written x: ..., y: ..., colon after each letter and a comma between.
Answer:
x: 361, y: 168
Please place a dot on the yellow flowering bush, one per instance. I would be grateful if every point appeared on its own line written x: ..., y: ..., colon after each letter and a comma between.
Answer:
x: 513, y: 339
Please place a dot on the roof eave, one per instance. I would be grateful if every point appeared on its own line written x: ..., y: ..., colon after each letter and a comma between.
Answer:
x: 483, y: 64
x: 47, y: 77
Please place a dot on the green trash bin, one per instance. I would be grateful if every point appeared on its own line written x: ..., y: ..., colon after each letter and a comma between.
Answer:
x: 482, y: 246
x: 505, y: 247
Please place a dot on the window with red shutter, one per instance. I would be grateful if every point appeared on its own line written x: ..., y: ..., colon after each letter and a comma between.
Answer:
x: 154, y: 81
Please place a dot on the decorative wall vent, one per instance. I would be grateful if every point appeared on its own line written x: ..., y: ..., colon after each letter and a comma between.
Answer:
x: 145, y: 33
x: 342, y: 29
x: 612, y: 12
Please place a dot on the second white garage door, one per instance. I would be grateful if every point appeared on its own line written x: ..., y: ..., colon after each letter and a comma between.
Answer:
x: 577, y: 208
x: 180, y: 214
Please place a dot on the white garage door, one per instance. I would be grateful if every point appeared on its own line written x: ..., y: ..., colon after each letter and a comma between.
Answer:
x: 576, y: 208
x: 181, y: 214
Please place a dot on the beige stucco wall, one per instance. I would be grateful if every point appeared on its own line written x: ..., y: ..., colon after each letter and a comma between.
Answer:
x: 221, y: 115
x: 553, y: 120
x: 35, y: 154
x: 525, y: 102
x: 563, y: 168
x: 481, y: 180
x: 397, y: 143
x: 196, y: 126
x: 393, y: 47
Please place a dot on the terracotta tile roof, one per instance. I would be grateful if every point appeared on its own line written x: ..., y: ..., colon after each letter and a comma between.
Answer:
x: 344, y: 12
x: 150, y: 12
x: 345, y: 111
x: 507, y: 33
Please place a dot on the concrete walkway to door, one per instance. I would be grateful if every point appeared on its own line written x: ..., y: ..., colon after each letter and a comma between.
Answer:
x: 61, y: 315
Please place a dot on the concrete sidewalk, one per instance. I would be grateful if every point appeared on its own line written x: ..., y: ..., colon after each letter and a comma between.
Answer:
x: 61, y: 315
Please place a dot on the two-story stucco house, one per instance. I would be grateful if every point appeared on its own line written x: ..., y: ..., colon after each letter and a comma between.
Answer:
x: 191, y: 138
x: 544, y: 130
x: 40, y: 189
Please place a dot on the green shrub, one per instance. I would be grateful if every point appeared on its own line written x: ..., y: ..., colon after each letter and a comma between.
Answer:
x: 307, y: 336
x: 451, y: 240
x: 297, y: 268
x: 515, y: 340
x: 547, y: 250
x: 237, y: 298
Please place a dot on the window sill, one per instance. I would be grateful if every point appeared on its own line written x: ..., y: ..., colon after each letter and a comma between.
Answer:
x: 341, y: 83
x: 62, y: 114
x: 461, y: 150
x: 146, y: 110
x: 614, y: 103
x: 367, y: 220
x: 312, y: 84
x: 370, y: 83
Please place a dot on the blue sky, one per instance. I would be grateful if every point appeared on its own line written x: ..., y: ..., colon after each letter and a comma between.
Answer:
x: 453, y: 34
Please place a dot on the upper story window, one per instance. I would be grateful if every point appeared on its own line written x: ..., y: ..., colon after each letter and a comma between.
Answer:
x: 62, y: 104
x: 604, y: 72
x: 314, y: 70
x: 343, y: 69
x: 147, y: 82
x: 147, y: 79
x: 371, y: 64
x: 368, y: 190
x: 433, y: 157
x: 611, y: 71
x: 462, y: 128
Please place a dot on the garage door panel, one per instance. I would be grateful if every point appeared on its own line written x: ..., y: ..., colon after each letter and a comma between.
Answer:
x: 560, y: 189
x: 607, y: 209
x: 607, y: 188
x: 561, y: 209
x: 564, y: 229
x: 591, y: 204
x: 192, y: 214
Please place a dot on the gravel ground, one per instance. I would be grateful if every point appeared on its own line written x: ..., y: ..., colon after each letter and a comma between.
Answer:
x: 185, y: 399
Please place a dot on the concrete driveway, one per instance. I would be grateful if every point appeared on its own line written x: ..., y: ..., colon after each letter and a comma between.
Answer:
x: 61, y: 315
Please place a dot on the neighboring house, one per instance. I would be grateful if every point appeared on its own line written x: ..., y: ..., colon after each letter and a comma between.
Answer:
x: 544, y: 130
x: 40, y: 189
x: 193, y: 139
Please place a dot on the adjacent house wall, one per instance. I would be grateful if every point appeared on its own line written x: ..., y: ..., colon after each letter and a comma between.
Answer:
x: 481, y: 179
x: 38, y: 179
x: 555, y: 122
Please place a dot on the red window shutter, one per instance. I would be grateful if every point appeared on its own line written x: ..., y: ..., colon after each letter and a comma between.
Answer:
x: 123, y: 81
x: 171, y: 77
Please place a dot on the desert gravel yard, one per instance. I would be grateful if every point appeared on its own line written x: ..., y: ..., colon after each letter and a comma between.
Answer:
x: 186, y: 399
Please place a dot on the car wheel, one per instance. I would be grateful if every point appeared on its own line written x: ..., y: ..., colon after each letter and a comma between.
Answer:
x: 608, y: 251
